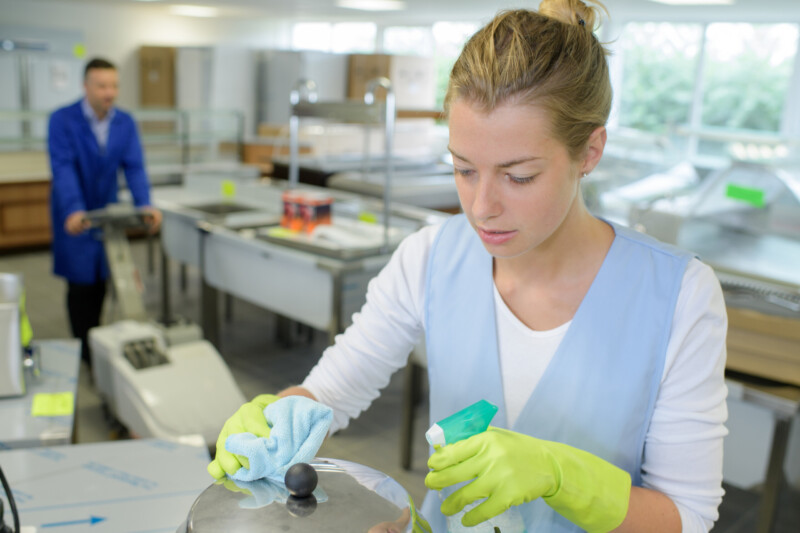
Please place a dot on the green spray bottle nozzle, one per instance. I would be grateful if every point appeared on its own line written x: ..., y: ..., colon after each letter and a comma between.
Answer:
x: 462, y: 425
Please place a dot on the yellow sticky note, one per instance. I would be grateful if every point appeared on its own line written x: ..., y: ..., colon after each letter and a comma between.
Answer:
x: 79, y: 50
x: 228, y: 188
x: 367, y: 217
x: 53, y: 404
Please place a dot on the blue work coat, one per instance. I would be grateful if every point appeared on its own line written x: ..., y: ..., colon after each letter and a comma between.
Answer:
x: 85, y: 178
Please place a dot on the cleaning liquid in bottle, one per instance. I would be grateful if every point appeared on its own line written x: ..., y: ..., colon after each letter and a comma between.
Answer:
x: 462, y: 425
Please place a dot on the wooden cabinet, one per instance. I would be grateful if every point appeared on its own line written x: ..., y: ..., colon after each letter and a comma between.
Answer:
x: 24, y: 214
x: 762, y: 345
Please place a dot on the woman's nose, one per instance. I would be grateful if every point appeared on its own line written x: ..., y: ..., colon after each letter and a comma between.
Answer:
x: 485, y: 203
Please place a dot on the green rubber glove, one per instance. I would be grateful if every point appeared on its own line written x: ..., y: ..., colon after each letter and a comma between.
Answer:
x: 418, y: 523
x: 249, y: 418
x: 510, y: 469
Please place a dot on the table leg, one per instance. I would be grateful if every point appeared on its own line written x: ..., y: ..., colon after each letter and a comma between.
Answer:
x: 411, y: 391
x: 774, y: 479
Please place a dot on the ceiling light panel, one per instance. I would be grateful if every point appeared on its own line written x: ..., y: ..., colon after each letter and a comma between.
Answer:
x: 372, y: 5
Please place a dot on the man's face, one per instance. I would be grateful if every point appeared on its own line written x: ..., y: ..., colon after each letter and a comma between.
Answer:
x: 102, y: 86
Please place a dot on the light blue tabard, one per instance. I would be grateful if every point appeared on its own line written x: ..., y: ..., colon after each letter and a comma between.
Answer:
x: 597, y: 393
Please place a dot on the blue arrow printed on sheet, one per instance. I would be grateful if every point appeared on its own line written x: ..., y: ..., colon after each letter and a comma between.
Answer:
x: 92, y: 520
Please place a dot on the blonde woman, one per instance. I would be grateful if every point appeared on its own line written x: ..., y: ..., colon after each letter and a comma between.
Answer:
x: 603, y: 348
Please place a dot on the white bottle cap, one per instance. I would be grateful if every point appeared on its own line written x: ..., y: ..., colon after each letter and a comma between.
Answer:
x: 435, y: 436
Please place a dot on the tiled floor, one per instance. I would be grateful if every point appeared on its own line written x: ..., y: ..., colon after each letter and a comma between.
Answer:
x: 261, y: 364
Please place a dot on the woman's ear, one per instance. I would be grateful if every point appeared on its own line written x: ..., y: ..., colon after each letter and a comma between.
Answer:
x: 594, y: 149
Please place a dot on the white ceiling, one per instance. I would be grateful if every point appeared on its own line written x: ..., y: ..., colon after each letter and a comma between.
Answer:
x: 432, y: 10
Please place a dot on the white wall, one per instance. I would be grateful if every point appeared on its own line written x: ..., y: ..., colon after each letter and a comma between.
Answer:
x: 117, y: 31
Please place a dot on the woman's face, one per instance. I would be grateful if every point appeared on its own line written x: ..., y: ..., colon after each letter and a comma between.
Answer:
x: 517, y: 185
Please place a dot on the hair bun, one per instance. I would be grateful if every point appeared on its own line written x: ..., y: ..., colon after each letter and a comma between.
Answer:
x: 574, y: 12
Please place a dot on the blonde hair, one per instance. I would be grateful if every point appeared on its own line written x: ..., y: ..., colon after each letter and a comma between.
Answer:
x: 548, y: 58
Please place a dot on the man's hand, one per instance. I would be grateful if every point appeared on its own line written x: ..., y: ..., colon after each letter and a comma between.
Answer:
x: 153, y: 218
x: 76, y: 223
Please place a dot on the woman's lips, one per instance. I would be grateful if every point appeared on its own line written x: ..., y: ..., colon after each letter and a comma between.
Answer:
x: 495, y: 236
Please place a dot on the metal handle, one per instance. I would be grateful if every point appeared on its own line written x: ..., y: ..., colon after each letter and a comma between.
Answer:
x: 303, y: 91
x: 389, y: 118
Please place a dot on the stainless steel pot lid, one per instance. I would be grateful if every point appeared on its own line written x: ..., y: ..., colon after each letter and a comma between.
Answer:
x: 349, y: 497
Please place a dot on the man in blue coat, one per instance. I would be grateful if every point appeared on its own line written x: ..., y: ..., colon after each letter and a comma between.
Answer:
x: 89, y: 142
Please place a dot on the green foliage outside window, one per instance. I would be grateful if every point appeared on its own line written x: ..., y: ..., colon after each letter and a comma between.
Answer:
x: 657, y: 92
x: 745, y: 80
x: 659, y: 63
x: 747, y: 75
x: 443, y: 67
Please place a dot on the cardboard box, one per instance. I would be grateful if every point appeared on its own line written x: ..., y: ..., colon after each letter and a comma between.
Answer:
x: 361, y: 69
x: 763, y: 345
x: 273, y: 130
x: 157, y: 76
x: 413, y: 78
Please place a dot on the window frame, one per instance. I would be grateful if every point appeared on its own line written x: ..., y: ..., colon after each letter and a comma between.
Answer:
x: 695, y: 131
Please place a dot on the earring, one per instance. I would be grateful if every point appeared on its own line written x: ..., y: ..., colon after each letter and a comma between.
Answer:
x: 584, y: 174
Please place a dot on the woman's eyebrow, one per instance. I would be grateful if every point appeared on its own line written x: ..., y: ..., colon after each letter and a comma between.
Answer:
x: 505, y: 164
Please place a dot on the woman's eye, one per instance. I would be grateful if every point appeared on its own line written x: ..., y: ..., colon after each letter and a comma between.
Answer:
x: 465, y: 172
x: 520, y: 179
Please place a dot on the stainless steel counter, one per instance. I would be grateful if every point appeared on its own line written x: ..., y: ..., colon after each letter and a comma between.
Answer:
x: 134, y: 485
x: 60, y: 361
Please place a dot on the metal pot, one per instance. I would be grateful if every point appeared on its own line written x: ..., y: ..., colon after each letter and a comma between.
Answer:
x: 349, y: 497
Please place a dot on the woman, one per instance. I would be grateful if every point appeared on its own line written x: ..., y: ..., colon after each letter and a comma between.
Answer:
x: 603, y: 348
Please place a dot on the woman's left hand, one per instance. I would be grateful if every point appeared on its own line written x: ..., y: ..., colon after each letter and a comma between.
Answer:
x: 509, y: 468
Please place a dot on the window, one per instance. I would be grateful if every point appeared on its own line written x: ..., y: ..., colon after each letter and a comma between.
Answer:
x: 449, y: 39
x: 408, y: 40
x: 354, y: 37
x: 342, y: 37
x: 747, y: 73
x: 659, y: 63
x: 312, y: 36
x: 734, y: 93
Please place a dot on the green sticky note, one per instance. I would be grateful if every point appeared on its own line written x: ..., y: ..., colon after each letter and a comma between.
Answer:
x: 281, y: 232
x: 79, y: 50
x: 53, y: 404
x: 748, y: 195
x: 371, y: 218
x: 228, y: 188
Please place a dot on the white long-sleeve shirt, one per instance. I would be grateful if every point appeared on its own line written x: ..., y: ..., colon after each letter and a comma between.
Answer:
x: 683, y: 445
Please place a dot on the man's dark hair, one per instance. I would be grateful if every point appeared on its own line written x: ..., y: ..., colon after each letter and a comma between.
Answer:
x: 98, y: 63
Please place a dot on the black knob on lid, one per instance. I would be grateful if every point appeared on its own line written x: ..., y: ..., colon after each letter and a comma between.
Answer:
x: 301, y: 480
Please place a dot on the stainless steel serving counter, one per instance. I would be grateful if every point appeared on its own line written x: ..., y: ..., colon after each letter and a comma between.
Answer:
x: 433, y: 188
x: 228, y: 239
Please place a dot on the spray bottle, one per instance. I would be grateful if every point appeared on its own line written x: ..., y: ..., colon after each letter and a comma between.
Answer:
x: 462, y: 425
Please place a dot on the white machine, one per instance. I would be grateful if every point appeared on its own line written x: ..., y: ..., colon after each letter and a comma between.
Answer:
x: 169, y: 392
x: 158, y: 381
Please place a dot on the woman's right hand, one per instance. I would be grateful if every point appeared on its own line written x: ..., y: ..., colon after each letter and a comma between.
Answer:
x: 249, y: 418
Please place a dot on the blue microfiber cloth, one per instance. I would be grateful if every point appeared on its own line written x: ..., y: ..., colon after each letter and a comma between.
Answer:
x: 298, y: 427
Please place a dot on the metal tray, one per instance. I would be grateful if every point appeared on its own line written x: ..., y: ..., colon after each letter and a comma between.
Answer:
x: 221, y: 208
x: 301, y: 242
